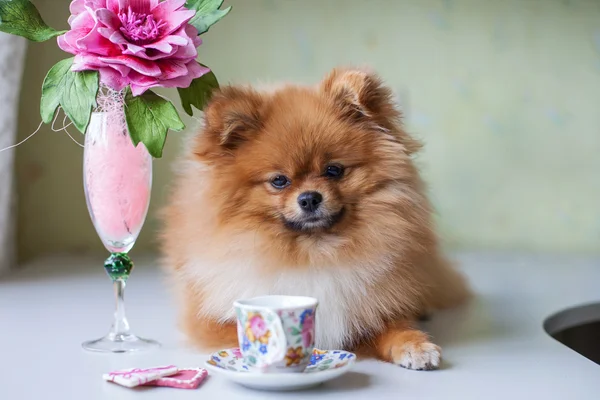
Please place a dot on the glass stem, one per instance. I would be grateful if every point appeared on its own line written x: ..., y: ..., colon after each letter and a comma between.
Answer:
x: 120, y: 326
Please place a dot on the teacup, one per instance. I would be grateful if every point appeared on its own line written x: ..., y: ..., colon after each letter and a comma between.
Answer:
x: 276, y: 333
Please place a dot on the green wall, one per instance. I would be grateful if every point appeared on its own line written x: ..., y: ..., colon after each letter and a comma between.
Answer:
x: 505, y: 95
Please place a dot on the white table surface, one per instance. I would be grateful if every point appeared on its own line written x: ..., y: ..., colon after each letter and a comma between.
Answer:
x: 495, y: 348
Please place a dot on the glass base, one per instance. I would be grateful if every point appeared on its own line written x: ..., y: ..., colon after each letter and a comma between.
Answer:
x: 120, y: 344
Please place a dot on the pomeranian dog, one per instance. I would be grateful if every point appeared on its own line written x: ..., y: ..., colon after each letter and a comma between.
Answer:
x: 309, y: 190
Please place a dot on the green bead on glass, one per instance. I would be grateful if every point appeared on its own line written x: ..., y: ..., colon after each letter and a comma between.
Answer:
x: 118, y: 266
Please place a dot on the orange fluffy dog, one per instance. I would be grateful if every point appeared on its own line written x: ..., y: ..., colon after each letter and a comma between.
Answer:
x: 309, y: 191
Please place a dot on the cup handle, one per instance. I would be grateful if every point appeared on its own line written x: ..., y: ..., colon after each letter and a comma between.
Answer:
x: 278, y: 342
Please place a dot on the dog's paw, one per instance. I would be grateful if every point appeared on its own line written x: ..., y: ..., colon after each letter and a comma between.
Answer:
x: 420, y: 356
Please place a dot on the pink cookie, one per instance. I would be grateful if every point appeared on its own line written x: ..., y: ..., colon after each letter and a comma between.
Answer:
x: 138, y: 376
x: 184, y: 379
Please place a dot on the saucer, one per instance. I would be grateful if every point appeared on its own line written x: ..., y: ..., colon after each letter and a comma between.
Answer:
x: 323, y: 366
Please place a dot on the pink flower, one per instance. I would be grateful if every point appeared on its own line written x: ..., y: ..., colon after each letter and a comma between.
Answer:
x: 237, y: 353
x: 307, y: 330
x: 258, y: 326
x: 141, y: 43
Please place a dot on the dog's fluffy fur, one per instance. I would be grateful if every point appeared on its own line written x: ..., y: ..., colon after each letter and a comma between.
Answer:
x: 371, y: 257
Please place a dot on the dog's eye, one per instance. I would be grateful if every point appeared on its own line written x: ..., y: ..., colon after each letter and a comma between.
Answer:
x: 280, y: 182
x: 334, y: 171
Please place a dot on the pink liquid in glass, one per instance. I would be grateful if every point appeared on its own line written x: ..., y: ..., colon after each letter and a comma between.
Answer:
x: 117, y: 181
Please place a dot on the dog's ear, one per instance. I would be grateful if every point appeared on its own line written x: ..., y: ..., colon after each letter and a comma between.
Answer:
x: 359, y: 93
x: 232, y: 116
x: 361, y: 96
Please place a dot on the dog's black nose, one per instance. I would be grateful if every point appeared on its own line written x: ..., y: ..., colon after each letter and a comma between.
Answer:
x: 310, y: 201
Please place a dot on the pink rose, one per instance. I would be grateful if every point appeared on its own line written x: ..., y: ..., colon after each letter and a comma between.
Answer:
x: 307, y: 330
x: 141, y: 43
x: 258, y: 326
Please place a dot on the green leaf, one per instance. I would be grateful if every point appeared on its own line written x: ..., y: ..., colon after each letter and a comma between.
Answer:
x: 207, y: 13
x: 198, y: 93
x: 203, y: 6
x: 295, y: 331
x: 149, y: 117
x: 20, y: 17
x: 203, y: 23
x: 75, y: 92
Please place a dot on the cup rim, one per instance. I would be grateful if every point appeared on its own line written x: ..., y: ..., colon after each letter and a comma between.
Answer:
x: 299, y: 302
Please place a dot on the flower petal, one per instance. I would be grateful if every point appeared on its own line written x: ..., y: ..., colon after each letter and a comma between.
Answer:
x: 177, y: 39
x: 166, y: 44
x: 167, y: 7
x: 113, y: 5
x: 140, y: 83
x: 113, y: 79
x: 123, y: 69
x: 70, y: 38
x: 77, y: 7
x: 176, y: 20
x: 134, y: 49
x: 172, y: 69
x: 139, y: 79
x: 188, y: 51
x: 153, y: 4
x: 106, y: 32
x: 64, y: 45
x: 195, y: 70
x: 160, y: 49
x: 152, y: 54
x: 95, y: 4
x: 88, y: 61
x: 123, y: 5
x: 140, y: 6
x: 171, y: 12
x: 108, y: 18
x: 138, y: 90
x: 197, y: 40
x: 192, y: 32
x: 83, y: 20
x: 84, y: 62
x: 115, y: 37
x: 162, y: 46
x: 95, y: 43
x: 142, y: 66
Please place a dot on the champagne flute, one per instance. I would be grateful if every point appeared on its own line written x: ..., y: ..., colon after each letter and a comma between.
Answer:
x: 117, y: 183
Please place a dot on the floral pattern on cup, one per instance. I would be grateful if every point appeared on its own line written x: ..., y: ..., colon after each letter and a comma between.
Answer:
x: 321, y: 360
x: 294, y: 356
x: 276, y: 340
x: 300, y: 327
x: 257, y: 336
x: 256, y: 329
